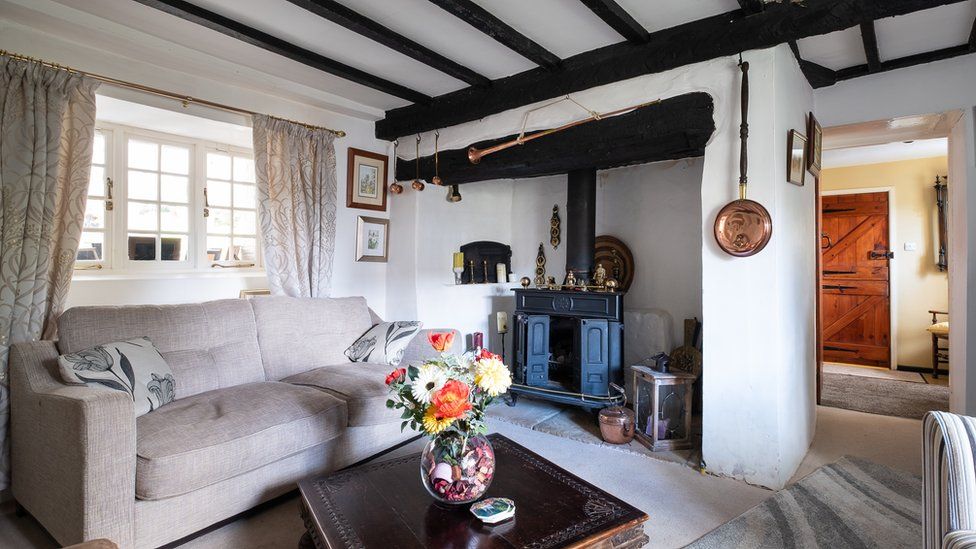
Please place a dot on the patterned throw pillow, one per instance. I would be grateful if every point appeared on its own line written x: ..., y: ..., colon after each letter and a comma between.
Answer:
x: 384, y: 343
x: 134, y: 367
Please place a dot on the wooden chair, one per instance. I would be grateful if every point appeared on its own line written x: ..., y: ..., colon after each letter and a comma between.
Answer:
x: 940, y: 332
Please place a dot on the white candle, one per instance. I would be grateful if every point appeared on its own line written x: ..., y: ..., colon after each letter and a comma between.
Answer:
x: 501, y: 318
x: 501, y: 274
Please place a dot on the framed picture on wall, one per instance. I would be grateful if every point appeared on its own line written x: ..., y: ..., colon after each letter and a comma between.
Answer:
x: 796, y: 162
x: 815, y: 146
x: 366, y: 180
x: 372, y: 242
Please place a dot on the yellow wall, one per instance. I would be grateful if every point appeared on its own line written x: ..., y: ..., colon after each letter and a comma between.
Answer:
x: 918, y: 283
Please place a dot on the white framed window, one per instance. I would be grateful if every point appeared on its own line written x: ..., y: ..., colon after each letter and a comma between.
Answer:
x: 95, y: 246
x: 147, y: 205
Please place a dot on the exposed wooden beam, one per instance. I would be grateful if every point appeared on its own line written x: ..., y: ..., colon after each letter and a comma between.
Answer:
x: 618, y: 19
x: 870, y: 40
x: 752, y: 6
x: 710, y: 38
x: 972, y: 37
x: 678, y: 127
x: 341, y: 15
x: 904, y: 62
x: 817, y: 76
x: 190, y: 12
x: 484, y: 21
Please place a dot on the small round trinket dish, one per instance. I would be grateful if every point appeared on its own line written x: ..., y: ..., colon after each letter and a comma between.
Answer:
x: 493, y: 510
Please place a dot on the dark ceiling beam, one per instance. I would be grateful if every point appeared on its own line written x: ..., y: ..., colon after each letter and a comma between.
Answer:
x: 190, y: 12
x: 870, y: 40
x: 343, y: 16
x: 972, y: 37
x: 678, y: 127
x: 718, y: 36
x: 752, y: 6
x: 817, y: 76
x: 484, y: 21
x: 618, y: 19
x: 904, y: 62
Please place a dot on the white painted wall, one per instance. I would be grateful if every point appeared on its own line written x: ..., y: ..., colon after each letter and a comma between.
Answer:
x: 128, y: 61
x: 757, y: 312
x: 911, y: 92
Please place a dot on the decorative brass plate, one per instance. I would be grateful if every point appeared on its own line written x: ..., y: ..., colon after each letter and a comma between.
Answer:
x: 617, y: 259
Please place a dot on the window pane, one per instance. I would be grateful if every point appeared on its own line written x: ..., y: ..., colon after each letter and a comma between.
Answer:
x: 244, y: 222
x: 218, y: 193
x: 98, y: 153
x: 95, y: 214
x: 96, y: 182
x: 218, y: 166
x: 142, y: 216
x: 173, y: 247
x: 90, y: 248
x: 142, y: 155
x: 217, y: 247
x: 174, y: 188
x: 175, y: 160
x: 142, y: 247
x: 142, y: 185
x: 246, y: 249
x: 243, y: 196
x: 174, y: 218
x: 243, y: 169
x: 219, y: 221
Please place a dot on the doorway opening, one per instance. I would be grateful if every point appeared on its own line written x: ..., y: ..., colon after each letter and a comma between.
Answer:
x: 882, y: 268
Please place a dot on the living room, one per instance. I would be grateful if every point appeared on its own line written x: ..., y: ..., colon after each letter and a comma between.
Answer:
x: 593, y: 254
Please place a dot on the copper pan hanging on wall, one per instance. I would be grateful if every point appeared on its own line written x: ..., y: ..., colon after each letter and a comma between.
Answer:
x: 743, y: 227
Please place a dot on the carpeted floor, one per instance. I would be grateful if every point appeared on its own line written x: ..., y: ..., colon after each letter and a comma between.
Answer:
x: 850, y: 503
x: 867, y: 371
x: 882, y: 396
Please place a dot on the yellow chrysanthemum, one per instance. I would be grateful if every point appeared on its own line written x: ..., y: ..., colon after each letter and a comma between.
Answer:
x: 492, y: 376
x: 434, y: 425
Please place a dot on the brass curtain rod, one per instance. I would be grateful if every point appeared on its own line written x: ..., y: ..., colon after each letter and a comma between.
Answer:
x: 185, y: 99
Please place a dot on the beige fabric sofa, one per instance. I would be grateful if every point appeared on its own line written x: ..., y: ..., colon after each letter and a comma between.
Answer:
x: 265, y: 397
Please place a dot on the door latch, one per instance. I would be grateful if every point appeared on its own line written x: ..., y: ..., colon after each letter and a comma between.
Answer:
x: 881, y: 255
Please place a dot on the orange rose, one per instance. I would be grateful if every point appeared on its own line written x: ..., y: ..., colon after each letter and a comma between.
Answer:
x: 440, y: 341
x: 486, y: 354
x: 396, y: 375
x: 451, y: 401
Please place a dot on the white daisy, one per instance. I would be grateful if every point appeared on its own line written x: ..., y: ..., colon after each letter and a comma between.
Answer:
x: 430, y: 378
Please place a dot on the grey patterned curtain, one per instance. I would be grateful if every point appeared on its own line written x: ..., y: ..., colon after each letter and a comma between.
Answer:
x: 47, y: 128
x: 296, y: 179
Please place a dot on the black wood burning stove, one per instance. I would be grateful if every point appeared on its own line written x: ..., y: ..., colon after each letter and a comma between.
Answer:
x: 569, y: 343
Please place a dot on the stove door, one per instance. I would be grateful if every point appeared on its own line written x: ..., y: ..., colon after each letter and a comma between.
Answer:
x: 594, y: 356
x: 536, y: 350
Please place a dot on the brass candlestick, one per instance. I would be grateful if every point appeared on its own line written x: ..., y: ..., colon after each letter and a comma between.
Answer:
x: 485, y: 263
x: 471, y: 268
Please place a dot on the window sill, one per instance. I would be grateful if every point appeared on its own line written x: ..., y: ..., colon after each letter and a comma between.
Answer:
x: 157, y: 275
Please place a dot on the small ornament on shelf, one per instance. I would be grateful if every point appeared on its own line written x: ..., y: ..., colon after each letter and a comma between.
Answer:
x: 554, y: 229
x: 540, y: 267
x: 458, y: 266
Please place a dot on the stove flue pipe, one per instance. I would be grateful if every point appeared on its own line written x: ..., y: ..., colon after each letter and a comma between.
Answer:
x: 581, y: 222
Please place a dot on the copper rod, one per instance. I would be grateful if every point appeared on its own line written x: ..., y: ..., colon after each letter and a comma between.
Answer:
x: 475, y: 155
x: 185, y: 99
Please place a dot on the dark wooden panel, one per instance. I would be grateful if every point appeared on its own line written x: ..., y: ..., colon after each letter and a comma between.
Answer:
x: 710, y: 38
x: 484, y: 21
x: 341, y: 15
x: 678, y: 127
x: 244, y: 33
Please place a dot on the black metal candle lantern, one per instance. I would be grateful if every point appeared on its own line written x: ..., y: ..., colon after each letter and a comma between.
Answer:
x: 662, y: 405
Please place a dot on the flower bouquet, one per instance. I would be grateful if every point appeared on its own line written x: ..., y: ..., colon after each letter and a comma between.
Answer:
x: 445, y: 398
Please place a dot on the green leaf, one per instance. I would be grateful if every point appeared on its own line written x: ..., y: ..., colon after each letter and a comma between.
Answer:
x: 412, y: 372
x: 403, y: 426
x: 406, y: 414
x: 390, y: 403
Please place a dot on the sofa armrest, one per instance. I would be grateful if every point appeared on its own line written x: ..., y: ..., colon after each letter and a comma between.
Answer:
x: 960, y: 539
x: 420, y: 350
x: 948, y: 477
x: 73, y: 450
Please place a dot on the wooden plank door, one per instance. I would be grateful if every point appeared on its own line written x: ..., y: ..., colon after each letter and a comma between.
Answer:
x: 855, y: 295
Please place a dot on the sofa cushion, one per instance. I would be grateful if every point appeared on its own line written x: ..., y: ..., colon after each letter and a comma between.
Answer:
x: 213, y: 436
x: 299, y: 334
x: 361, y: 385
x: 208, y: 345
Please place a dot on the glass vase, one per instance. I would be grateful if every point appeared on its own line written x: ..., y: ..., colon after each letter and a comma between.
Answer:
x: 457, y: 470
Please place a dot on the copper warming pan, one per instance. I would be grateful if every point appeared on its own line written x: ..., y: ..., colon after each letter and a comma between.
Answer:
x: 743, y: 227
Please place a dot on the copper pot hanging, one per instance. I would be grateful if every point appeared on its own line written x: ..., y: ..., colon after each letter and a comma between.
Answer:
x: 743, y: 227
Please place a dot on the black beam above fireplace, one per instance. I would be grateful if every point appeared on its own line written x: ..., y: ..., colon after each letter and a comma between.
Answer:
x: 678, y: 127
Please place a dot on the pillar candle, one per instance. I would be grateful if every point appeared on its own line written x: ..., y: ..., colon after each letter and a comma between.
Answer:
x: 501, y: 274
x: 459, y: 260
x: 478, y: 340
x: 501, y: 318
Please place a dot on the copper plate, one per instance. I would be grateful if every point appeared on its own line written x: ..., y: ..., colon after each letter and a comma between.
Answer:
x: 743, y: 228
x: 617, y: 259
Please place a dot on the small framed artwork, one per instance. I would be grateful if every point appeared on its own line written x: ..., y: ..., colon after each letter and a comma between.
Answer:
x: 796, y: 162
x: 372, y: 243
x: 366, y: 180
x: 815, y: 146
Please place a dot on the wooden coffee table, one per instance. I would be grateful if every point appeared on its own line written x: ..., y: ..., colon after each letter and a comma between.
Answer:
x: 384, y: 505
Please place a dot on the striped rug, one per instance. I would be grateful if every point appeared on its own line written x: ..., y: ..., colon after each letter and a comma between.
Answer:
x: 849, y: 503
